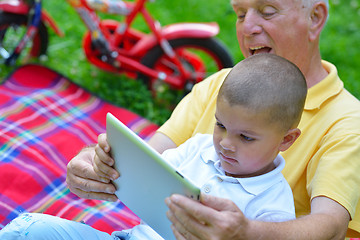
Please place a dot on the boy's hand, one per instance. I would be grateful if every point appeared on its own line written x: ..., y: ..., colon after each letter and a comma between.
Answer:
x: 103, y: 162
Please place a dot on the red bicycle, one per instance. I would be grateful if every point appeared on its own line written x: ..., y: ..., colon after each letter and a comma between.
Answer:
x: 177, y: 55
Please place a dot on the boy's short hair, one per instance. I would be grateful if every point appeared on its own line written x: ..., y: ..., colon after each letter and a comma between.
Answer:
x: 269, y: 85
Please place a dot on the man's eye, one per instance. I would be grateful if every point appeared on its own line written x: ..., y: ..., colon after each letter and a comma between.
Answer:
x: 268, y: 11
x: 241, y: 17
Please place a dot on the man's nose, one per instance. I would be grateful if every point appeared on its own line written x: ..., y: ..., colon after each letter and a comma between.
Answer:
x: 252, y: 23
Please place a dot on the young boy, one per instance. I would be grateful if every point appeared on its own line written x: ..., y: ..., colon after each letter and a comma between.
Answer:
x: 258, y: 108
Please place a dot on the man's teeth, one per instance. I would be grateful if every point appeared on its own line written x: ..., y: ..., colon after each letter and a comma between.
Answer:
x: 256, y: 48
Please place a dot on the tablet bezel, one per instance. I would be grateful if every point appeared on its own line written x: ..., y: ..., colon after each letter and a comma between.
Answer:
x: 146, y: 178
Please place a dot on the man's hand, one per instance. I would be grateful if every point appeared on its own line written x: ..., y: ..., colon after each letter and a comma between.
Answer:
x: 217, y: 218
x: 212, y: 218
x: 89, y: 173
x: 83, y: 181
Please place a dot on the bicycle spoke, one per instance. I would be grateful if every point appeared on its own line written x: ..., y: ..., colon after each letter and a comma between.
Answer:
x: 4, y: 53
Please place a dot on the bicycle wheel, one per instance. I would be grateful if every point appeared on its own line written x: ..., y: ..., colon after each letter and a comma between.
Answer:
x: 199, y: 57
x: 13, y: 27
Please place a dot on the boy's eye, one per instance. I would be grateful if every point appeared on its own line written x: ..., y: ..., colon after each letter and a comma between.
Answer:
x: 246, y: 138
x: 219, y: 125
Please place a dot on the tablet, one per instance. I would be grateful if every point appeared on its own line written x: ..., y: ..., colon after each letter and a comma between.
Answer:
x: 146, y: 179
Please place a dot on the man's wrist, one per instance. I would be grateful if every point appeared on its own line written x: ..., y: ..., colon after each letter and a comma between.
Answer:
x: 253, y: 230
x: 259, y: 230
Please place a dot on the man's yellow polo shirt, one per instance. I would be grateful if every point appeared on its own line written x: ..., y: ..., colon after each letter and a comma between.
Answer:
x: 324, y: 161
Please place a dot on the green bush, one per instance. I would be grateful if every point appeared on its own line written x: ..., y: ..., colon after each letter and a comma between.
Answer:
x: 339, y: 45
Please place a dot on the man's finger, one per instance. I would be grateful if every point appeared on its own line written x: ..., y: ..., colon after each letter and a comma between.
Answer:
x: 104, y: 170
x: 180, y: 231
x: 180, y: 236
x: 177, y: 235
x: 187, y: 220
x: 104, y: 156
x: 90, y: 189
x: 88, y: 185
x: 94, y: 195
x: 85, y: 171
x: 192, y: 208
x: 219, y: 204
x: 102, y: 141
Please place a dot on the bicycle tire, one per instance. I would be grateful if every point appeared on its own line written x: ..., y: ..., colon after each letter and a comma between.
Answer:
x: 39, y: 43
x: 212, y: 46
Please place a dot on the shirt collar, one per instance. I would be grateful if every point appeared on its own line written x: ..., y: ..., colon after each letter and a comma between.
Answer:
x: 327, y: 88
x: 253, y: 185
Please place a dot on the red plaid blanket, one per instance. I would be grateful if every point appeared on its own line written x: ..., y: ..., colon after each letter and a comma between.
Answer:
x: 45, y: 119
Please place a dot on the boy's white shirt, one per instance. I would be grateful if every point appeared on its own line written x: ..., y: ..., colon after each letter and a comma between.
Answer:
x: 267, y: 197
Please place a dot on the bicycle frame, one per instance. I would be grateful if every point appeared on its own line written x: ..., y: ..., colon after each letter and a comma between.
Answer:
x: 117, y: 47
x: 118, y: 59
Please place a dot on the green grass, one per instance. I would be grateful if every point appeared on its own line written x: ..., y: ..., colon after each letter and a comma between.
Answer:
x: 339, y: 45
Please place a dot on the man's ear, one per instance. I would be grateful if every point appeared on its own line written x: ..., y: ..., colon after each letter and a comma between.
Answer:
x: 289, y: 139
x: 318, y: 17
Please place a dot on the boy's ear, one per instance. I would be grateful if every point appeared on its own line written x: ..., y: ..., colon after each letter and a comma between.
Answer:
x: 289, y: 139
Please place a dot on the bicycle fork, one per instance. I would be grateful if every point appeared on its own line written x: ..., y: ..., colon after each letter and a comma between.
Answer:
x: 34, y: 18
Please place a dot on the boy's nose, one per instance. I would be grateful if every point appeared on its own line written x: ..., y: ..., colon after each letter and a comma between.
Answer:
x: 227, y: 145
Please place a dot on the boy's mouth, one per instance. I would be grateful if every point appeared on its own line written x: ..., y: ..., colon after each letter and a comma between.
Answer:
x: 226, y: 158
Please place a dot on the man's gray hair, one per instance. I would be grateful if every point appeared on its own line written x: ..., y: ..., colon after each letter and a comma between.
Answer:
x: 309, y: 3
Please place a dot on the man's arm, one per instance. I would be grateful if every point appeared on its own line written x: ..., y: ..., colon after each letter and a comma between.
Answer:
x: 217, y: 218
x: 160, y: 142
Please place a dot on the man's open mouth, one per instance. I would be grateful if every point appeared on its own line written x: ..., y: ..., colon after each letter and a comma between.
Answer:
x: 259, y: 49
